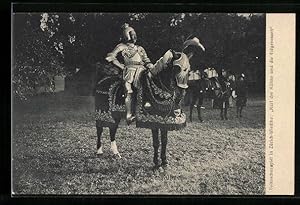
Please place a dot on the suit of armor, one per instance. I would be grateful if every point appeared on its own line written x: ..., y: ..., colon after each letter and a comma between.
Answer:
x: 135, y: 57
x: 135, y: 60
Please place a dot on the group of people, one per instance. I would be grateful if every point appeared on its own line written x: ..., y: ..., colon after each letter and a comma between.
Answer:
x: 226, y: 76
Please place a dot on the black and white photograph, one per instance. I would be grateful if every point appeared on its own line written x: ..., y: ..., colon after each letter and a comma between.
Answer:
x: 138, y: 103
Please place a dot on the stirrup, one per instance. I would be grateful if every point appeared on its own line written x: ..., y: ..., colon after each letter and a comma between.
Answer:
x: 130, y: 120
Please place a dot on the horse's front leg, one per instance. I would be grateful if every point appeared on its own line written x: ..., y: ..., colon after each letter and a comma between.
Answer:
x: 112, y: 133
x: 226, y: 105
x: 164, y: 141
x: 155, y: 146
x: 99, y: 134
x: 200, y: 103
x: 221, y: 112
x: 240, y: 111
x: 225, y: 113
x: 191, y: 111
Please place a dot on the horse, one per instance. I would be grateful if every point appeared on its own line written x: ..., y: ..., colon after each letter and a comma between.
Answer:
x: 157, y: 103
x: 211, y: 88
x: 220, y: 91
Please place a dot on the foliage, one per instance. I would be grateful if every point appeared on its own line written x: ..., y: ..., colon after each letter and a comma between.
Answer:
x: 61, y: 43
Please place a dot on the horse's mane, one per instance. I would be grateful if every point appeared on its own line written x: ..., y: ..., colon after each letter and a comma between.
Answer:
x: 165, y: 78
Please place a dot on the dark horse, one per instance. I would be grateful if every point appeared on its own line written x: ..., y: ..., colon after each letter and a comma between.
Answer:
x: 157, y: 103
x: 216, y: 89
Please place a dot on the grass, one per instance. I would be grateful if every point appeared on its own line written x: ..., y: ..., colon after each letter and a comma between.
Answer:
x: 54, y: 152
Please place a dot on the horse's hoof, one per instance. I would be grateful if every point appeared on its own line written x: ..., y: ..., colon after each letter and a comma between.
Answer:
x: 155, y: 167
x: 117, y: 156
x: 164, y: 164
x: 162, y: 170
x: 100, y: 151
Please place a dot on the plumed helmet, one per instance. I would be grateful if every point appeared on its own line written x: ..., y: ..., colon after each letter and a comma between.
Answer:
x: 193, y: 42
x: 129, y: 34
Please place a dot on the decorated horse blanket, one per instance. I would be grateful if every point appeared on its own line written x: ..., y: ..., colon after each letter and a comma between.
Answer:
x: 154, y: 105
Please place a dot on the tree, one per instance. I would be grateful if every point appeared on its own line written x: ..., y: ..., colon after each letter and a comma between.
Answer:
x: 35, y: 59
x: 49, y: 44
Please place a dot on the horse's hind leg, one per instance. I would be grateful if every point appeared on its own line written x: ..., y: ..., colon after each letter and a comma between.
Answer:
x: 112, y: 133
x: 164, y: 141
x: 99, y: 145
x: 199, y: 113
x: 155, y: 146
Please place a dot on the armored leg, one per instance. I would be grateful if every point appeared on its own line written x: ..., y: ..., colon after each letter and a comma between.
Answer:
x: 128, y: 104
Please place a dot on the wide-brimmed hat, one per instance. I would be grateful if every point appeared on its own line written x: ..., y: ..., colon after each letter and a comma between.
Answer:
x: 193, y: 42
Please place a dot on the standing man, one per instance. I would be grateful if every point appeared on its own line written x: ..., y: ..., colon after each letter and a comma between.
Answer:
x: 241, y: 92
x: 135, y: 61
x: 212, y: 75
x: 231, y: 79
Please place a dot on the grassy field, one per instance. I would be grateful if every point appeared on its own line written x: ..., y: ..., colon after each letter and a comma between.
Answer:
x: 54, y: 152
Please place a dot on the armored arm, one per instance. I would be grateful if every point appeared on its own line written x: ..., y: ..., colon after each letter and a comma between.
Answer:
x: 162, y: 63
x: 112, y: 56
x: 145, y: 58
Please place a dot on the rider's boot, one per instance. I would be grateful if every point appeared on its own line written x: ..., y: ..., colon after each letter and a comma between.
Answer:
x: 128, y: 104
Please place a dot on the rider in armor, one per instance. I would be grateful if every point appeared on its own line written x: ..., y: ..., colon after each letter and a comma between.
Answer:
x: 135, y: 61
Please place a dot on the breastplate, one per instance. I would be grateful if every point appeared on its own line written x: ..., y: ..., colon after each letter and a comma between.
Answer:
x: 131, y: 55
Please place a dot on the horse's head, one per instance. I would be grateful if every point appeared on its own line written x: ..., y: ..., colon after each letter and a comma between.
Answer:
x: 181, y: 61
x: 181, y: 68
x: 176, y: 66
